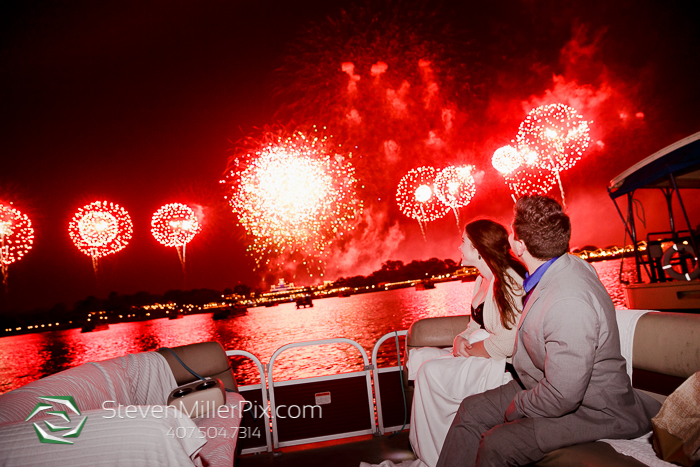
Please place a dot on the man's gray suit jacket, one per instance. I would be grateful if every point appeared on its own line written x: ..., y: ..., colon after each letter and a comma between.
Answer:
x: 567, y: 355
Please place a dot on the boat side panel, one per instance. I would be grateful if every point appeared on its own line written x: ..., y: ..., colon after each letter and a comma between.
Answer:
x: 347, y: 411
x: 255, y: 421
x: 392, y: 399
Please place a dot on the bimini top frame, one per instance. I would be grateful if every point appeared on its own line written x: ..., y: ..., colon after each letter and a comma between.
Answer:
x: 676, y: 166
x: 681, y: 159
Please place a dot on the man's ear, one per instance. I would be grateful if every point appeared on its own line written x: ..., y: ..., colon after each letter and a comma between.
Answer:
x: 519, y: 247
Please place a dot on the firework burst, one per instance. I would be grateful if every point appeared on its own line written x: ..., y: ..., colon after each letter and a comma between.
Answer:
x: 522, y: 173
x: 175, y: 225
x: 295, y: 196
x: 507, y: 159
x: 99, y: 229
x: 455, y: 187
x: 16, y: 237
x: 417, y: 197
x: 559, y: 136
x: 530, y: 180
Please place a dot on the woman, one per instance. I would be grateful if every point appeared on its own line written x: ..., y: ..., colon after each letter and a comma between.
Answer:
x: 477, y: 361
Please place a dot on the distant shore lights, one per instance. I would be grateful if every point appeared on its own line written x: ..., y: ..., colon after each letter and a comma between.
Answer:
x: 16, y: 237
x: 99, y: 229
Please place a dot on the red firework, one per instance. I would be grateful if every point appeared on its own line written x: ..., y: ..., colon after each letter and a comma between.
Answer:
x: 455, y: 186
x: 506, y: 159
x: 557, y: 133
x: 295, y: 194
x: 530, y: 180
x: 390, y: 92
x: 522, y: 173
x: 174, y: 225
x: 99, y: 229
x: 16, y: 237
x: 417, y: 198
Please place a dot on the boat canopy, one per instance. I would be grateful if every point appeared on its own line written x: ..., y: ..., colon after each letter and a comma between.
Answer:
x: 682, y: 159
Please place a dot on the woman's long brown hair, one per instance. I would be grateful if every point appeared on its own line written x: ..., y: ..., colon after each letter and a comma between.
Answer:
x: 491, y: 241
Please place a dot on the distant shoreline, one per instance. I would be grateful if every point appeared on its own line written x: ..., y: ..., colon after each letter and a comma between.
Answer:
x: 73, y: 319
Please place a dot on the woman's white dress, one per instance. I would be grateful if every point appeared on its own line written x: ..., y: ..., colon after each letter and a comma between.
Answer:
x: 442, y: 381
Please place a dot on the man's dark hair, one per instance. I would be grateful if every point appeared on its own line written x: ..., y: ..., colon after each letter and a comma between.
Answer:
x: 541, y: 223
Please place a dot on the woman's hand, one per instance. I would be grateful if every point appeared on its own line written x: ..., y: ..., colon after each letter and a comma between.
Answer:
x: 465, y: 349
x: 461, y: 347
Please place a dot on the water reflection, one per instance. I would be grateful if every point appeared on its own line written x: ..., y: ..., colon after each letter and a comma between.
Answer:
x: 261, y: 331
x: 609, y: 273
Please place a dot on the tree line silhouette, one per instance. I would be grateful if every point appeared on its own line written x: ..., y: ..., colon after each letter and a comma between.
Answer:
x: 193, y: 300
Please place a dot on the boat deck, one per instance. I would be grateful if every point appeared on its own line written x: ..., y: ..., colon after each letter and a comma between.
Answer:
x: 347, y: 452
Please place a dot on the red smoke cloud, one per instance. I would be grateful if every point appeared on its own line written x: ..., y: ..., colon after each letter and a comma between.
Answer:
x: 401, y: 105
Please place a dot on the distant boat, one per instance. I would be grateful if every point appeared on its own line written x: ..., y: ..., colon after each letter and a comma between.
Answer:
x: 177, y: 315
x: 669, y: 259
x: 228, y: 312
x: 425, y: 284
x: 303, y: 302
x: 90, y: 327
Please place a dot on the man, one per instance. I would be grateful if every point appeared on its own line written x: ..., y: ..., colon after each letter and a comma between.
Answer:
x: 567, y: 354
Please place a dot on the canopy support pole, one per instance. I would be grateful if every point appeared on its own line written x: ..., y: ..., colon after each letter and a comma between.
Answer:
x: 668, y: 194
x: 631, y: 231
x: 685, y: 214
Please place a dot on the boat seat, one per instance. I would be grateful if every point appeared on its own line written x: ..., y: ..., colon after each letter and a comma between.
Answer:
x: 666, y: 351
x: 433, y: 332
x: 207, y: 359
x: 148, y: 437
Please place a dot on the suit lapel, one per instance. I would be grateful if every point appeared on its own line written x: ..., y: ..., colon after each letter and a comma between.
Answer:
x: 551, y: 272
x: 530, y: 301
x: 536, y: 295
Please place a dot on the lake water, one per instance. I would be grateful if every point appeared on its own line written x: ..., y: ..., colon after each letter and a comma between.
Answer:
x: 362, y: 318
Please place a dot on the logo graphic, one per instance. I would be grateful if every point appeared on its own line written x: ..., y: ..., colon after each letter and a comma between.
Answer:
x: 69, y: 403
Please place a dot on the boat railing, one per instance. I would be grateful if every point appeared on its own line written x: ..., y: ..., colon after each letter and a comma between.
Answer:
x: 327, y: 407
x: 383, y: 377
x: 341, y: 398
x: 256, y: 395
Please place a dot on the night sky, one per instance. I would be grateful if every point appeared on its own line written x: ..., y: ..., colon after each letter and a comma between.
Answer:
x: 143, y: 103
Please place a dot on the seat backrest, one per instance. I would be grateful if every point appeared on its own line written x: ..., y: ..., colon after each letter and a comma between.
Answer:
x: 433, y: 332
x: 436, y: 332
x: 207, y: 359
x: 666, y: 351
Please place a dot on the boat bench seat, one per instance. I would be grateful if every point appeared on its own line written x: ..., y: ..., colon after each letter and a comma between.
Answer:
x: 122, y: 404
x: 207, y: 359
x: 666, y: 351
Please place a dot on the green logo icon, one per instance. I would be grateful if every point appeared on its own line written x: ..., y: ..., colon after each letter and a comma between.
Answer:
x: 66, y: 402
